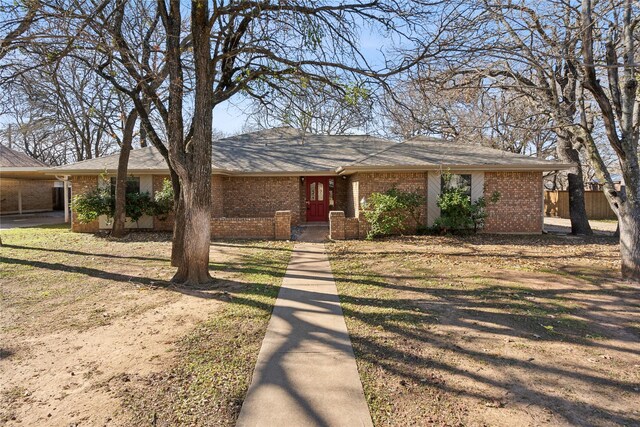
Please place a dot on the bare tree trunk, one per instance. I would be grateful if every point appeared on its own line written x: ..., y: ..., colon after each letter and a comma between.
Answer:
x: 177, y: 246
x: 194, y: 162
x: 577, y: 210
x: 618, y: 107
x: 120, y: 214
x: 629, y: 226
x: 195, y: 211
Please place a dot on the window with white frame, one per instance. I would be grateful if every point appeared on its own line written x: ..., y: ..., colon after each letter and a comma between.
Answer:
x: 460, y: 181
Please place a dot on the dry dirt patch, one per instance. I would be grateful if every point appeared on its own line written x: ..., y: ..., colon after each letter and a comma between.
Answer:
x: 87, y: 321
x: 490, y: 330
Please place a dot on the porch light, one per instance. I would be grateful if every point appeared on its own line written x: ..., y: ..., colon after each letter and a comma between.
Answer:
x: 302, y: 179
x: 363, y: 202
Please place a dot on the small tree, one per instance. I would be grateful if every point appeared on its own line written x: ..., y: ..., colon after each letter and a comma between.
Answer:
x: 99, y: 201
x: 163, y: 200
x: 387, y: 213
x: 459, y: 214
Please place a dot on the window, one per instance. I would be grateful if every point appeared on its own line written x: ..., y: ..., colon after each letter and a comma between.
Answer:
x: 312, y: 191
x: 331, y: 187
x: 133, y: 185
x: 451, y: 181
x: 320, y: 192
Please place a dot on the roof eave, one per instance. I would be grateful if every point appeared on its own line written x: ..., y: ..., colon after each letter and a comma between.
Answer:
x: 345, y: 170
x: 24, y: 169
x: 322, y: 172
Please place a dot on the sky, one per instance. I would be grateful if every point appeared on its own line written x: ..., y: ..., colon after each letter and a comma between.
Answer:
x: 228, y: 119
x: 229, y: 116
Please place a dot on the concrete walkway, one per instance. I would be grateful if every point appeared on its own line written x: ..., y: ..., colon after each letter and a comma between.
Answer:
x: 563, y: 226
x: 306, y: 373
x: 31, y: 219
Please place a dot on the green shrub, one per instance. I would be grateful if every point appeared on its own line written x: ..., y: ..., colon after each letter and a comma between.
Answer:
x: 163, y: 200
x: 458, y: 214
x: 89, y: 206
x: 99, y: 201
x: 388, y: 212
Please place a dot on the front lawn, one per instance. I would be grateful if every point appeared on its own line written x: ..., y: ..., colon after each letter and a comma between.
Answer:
x: 93, y: 334
x: 492, y: 330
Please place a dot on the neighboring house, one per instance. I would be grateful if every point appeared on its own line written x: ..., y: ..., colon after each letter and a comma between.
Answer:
x: 264, y: 182
x: 24, y: 187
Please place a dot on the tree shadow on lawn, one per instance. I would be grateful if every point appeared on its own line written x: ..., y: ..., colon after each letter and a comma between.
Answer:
x: 201, y: 291
x: 81, y: 253
x: 469, y: 309
x: 474, y: 245
x: 514, y: 312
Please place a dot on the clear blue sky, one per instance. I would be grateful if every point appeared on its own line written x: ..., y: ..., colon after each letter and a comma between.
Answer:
x: 230, y: 119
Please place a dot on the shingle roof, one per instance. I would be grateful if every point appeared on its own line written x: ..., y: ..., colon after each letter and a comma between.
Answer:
x: 285, y: 150
x: 143, y: 159
x: 424, y: 151
x: 14, y: 159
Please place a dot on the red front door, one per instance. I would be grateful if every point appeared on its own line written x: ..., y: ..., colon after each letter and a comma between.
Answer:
x: 317, y: 198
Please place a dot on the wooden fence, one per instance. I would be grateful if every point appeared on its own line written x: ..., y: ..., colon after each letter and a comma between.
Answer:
x: 556, y: 203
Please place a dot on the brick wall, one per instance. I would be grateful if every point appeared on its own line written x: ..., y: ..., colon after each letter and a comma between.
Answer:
x: 242, y: 228
x: 216, y: 202
x: 217, y: 196
x: 261, y: 197
x: 82, y: 185
x: 340, y: 194
x: 282, y: 225
x: 352, y: 228
x: 368, y: 183
x: 341, y: 227
x: 381, y: 182
x: 336, y: 225
x: 519, y: 209
x: 37, y: 195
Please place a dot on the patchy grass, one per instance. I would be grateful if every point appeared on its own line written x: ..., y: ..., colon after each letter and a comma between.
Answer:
x: 492, y: 330
x: 93, y: 332
x: 208, y: 384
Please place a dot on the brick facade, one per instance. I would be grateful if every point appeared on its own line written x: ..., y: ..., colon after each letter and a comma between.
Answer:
x: 355, y: 228
x: 519, y: 209
x: 250, y: 207
x: 82, y: 185
x: 242, y: 228
x: 364, y: 184
x: 336, y: 225
x: 277, y: 227
x: 166, y: 224
x: 37, y: 195
x: 260, y: 197
x: 342, y: 227
x: 282, y: 225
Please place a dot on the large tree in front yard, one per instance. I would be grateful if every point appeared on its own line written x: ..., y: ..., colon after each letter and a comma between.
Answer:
x: 610, y: 52
x: 224, y: 49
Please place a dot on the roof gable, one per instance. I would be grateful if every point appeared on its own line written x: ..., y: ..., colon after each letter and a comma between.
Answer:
x: 15, y: 159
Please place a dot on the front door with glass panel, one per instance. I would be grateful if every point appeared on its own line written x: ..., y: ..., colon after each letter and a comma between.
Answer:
x: 317, y: 198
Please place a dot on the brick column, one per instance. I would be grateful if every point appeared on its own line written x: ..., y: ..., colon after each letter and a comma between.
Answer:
x: 282, y: 224
x: 336, y: 225
x: 82, y: 185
